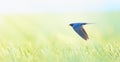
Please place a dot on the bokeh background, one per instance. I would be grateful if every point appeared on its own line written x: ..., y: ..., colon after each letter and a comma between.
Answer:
x: 39, y: 31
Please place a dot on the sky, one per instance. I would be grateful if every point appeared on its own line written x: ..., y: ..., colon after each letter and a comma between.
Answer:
x: 29, y: 6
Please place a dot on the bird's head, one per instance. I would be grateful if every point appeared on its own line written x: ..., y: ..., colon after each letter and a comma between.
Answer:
x: 71, y: 24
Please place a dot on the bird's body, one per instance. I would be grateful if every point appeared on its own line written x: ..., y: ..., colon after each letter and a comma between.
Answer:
x: 78, y: 27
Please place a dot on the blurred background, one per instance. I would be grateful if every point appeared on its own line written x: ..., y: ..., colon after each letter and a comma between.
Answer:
x: 33, y: 26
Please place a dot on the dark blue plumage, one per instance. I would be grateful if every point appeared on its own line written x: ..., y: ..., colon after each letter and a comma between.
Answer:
x: 78, y: 27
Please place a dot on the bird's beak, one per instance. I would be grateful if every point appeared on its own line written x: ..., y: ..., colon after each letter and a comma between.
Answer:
x: 70, y: 24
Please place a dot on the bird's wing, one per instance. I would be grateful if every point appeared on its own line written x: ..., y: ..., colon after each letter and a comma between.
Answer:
x: 81, y: 32
x: 86, y: 35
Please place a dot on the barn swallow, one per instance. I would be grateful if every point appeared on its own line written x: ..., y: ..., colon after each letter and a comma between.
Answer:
x: 78, y: 27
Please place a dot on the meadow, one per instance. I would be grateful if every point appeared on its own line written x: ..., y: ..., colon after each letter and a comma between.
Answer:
x: 47, y: 37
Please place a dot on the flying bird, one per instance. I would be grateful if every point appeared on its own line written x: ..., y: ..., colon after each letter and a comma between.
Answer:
x: 78, y: 27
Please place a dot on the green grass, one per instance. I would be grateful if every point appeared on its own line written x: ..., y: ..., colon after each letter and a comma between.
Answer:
x: 49, y: 38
